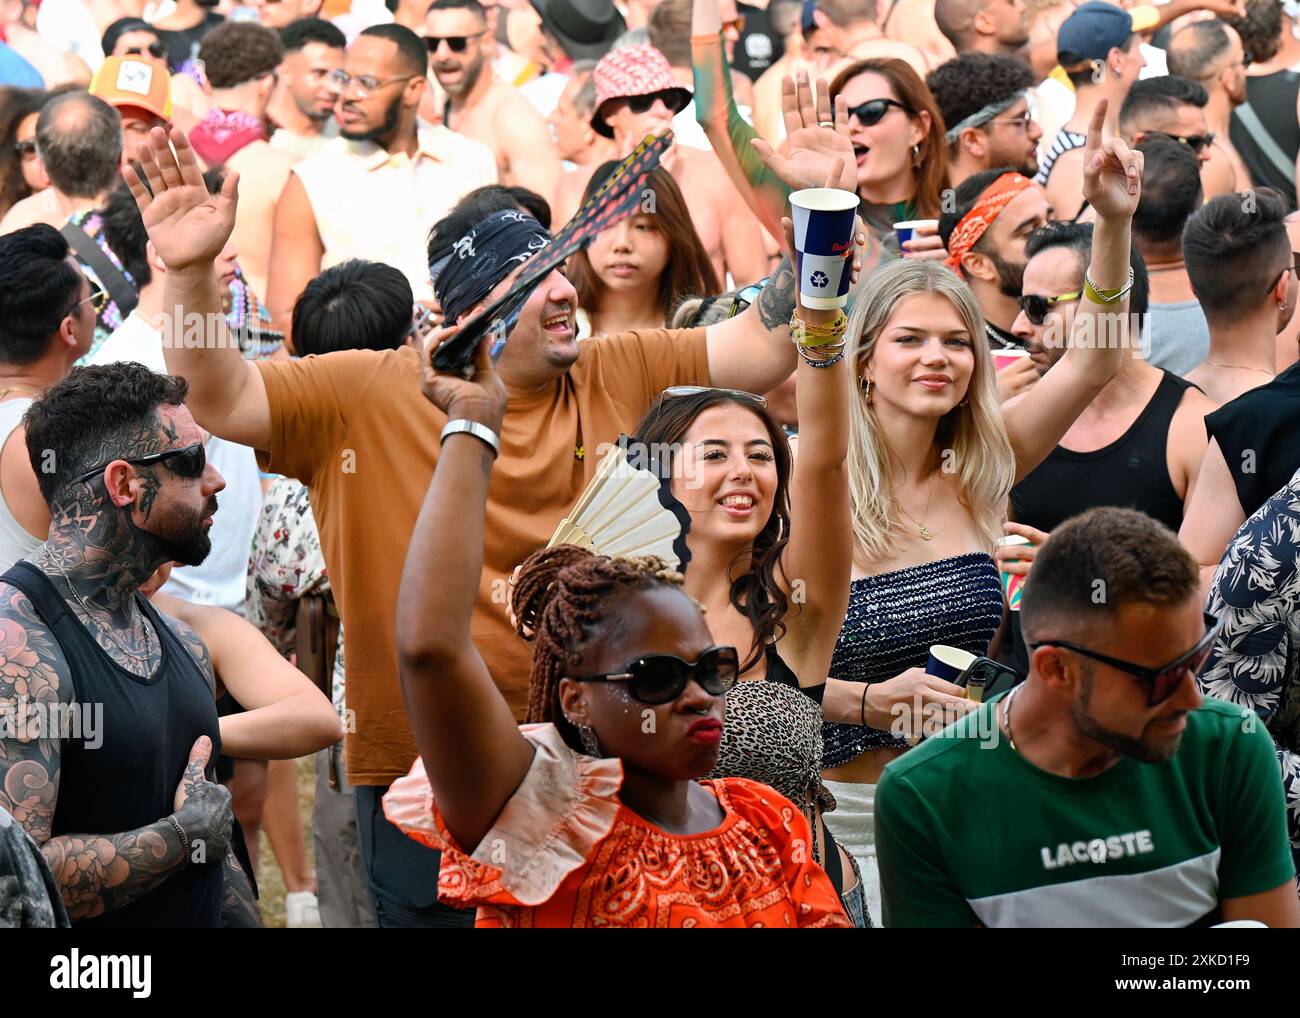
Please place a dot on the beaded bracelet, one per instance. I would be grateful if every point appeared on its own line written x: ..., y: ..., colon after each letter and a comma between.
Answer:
x: 1091, y: 291
x: 823, y: 362
x: 818, y: 334
x: 180, y: 832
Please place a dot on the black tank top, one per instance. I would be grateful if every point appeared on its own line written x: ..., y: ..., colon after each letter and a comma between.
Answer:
x: 129, y: 780
x: 1132, y: 472
x: 1273, y: 99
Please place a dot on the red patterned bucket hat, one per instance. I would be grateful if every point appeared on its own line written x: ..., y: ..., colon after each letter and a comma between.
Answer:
x: 634, y: 71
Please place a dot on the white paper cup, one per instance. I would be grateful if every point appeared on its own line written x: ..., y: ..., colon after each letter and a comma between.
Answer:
x: 948, y: 663
x: 1013, y: 583
x: 904, y: 230
x: 823, y: 241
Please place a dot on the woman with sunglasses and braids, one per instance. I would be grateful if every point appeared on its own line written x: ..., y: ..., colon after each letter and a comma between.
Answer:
x: 635, y: 272
x: 771, y: 547
x: 932, y: 459
x: 592, y: 815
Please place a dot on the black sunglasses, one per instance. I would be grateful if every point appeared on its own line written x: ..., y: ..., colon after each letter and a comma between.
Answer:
x: 25, y: 149
x: 873, y: 110
x: 455, y: 43
x: 189, y: 461
x: 1293, y: 267
x: 1164, y: 681
x: 154, y: 49
x: 672, y: 98
x: 1198, y: 143
x: 1036, y: 306
x: 660, y: 678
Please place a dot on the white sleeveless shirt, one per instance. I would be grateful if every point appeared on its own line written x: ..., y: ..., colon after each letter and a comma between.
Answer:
x: 15, y: 542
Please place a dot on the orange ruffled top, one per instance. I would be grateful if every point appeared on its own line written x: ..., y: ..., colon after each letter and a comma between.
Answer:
x: 565, y: 851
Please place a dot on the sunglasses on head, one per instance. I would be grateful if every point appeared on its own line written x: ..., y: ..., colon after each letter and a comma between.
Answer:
x: 747, y: 296
x: 661, y: 678
x: 455, y: 43
x: 873, y: 110
x: 189, y: 461
x: 1036, y: 306
x: 1161, y: 682
x: 154, y: 49
x: 1198, y: 143
x: 639, y: 104
x: 739, y: 395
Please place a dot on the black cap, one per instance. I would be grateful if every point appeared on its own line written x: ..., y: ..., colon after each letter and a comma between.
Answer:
x: 585, y: 29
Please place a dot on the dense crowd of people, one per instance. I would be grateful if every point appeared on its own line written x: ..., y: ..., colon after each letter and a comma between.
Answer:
x: 258, y: 551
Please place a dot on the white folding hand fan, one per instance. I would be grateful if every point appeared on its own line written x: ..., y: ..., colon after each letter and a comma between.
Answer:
x: 627, y: 510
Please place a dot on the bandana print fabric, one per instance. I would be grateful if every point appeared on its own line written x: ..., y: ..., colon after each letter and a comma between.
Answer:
x: 987, y: 208
x: 485, y: 256
x: 222, y: 133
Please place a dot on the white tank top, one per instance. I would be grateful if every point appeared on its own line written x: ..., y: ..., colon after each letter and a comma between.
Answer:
x: 15, y: 542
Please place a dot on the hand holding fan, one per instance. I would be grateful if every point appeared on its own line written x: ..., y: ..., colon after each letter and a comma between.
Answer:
x: 628, y: 511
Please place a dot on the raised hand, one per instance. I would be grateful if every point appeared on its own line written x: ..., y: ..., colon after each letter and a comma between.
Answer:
x: 202, y: 807
x: 1112, y: 172
x: 811, y: 150
x: 481, y: 397
x: 188, y: 226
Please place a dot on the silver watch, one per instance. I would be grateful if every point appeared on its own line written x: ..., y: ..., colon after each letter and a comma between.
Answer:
x: 479, y: 431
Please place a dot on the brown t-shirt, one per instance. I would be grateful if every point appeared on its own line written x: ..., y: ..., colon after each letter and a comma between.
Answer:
x: 354, y: 427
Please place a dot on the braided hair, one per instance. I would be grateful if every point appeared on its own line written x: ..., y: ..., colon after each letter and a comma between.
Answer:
x: 561, y: 596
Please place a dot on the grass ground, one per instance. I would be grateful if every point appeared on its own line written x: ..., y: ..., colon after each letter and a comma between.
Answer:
x: 269, y: 881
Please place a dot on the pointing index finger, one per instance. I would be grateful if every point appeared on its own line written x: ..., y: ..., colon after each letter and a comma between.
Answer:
x: 1097, y: 126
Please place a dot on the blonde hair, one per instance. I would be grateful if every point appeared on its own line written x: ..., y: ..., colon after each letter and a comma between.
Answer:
x: 974, y: 434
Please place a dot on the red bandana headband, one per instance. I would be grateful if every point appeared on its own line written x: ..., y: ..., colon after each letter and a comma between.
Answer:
x: 996, y: 197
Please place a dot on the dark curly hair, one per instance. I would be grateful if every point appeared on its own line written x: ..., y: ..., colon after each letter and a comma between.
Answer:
x: 561, y: 598
x: 238, y: 51
x: 756, y: 593
x: 971, y: 81
x: 94, y: 415
x: 1260, y: 29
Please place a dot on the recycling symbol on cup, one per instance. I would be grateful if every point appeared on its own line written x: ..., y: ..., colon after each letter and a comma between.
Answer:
x: 819, y: 279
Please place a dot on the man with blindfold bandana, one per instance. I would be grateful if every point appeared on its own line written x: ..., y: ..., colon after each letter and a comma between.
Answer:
x: 355, y: 427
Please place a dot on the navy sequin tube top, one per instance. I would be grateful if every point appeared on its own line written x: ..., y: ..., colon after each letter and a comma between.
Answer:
x: 892, y: 620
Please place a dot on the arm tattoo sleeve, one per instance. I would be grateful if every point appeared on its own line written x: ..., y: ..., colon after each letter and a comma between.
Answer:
x: 238, y: 904
x: 95, y: 873
x: 197, y: 648
x: 776, y: 300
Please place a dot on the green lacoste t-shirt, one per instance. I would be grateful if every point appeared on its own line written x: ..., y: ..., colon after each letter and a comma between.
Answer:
x: 968, y: 831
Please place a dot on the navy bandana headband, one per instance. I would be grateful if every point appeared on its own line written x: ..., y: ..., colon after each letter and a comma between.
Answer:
x: 493, y: 249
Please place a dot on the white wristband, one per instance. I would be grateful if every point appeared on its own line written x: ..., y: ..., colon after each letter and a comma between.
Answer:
x: 479, y: 431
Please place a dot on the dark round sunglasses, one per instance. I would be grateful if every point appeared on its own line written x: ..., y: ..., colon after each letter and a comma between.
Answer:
x: 1036, y: 306
x: 873, y: 110
x: 661, y: 678
x: 189, y: 462
x: 1161, y: 682
x: 672, y: 98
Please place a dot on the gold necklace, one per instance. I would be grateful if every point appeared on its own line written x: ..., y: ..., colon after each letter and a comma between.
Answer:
x: 35, y: 394
x: 926, y: 532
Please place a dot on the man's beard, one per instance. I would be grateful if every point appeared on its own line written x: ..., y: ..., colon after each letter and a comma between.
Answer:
x: 384, y: 131
x: 311, y: 111
x: 1126, y: 745
x: 1011, y: 277
x: 181, y: 539
x: 468, y: 78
